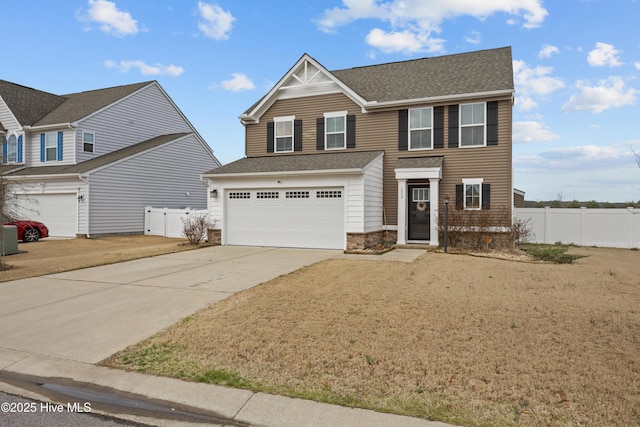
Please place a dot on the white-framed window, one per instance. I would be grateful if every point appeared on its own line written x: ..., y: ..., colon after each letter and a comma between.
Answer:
x: 420, y: 194
x: 88, y: 142
x: 473, y: 125
x: 12, y: 149
x: 51, y: 146
x: 335, y: 130
x: 421, y: 128
x: 472, y: 193
x: 283, y: 134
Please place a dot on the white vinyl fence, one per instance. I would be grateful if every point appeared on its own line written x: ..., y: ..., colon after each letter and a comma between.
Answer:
x: 167, y: 222
x: 615, y: 228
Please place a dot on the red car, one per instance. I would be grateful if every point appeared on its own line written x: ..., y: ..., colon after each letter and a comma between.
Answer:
x: 28, y: 231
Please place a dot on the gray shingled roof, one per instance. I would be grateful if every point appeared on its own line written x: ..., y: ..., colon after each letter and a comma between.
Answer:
x: 33, y: 107
x: 419, y: 162
x: 79, y: 105
x: 28, y: 105
x: 481, y: 71
x: 100, y: 161
x: 298, y: 163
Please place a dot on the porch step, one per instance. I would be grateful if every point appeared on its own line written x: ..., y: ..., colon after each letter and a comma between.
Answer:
x: 417, y: 246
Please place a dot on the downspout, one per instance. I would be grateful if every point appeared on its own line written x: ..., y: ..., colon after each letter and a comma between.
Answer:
x: 86, y: 201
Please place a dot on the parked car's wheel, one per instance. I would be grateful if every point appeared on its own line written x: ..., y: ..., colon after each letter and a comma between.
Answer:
x: 31, y: 235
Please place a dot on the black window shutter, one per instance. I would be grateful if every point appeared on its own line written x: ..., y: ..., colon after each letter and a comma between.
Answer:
x: 351, y: 131
x: 453, y: 126
x: 438, y: 127
x: 403, y: 130
x: 297, y: 135
x: 270, y: 136
x: 459, y: 197
x: 4, y: 150
x: 486, y: 197
x: 492, y: 123
x: 320, y: 133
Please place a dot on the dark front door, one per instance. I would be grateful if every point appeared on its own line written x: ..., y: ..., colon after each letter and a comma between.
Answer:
x: 419, y: 212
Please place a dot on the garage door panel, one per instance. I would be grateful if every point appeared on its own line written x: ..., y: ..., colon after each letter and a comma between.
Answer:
x: 57, y: 211
x: 288, y: 218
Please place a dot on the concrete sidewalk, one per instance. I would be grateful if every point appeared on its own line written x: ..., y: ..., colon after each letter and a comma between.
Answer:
x: 59, y: 326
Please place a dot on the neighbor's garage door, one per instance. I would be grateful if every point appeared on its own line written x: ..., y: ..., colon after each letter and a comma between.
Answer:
x: 57, y: 211
x: 299, y: 218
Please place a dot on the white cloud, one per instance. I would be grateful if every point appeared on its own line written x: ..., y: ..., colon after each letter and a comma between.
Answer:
x: 547, y: 50
x: 145, y: 69
x: 238, y: 82
x: 637, y: 64
x: 525, y: 103
x: 402, y: 41
x: 531, y: 131
x: 533, y: 81
x: 610, y: 93
x: 216, y: 23
x: 604, y: 55
x: 423, y: 19
x: 110, y: 19
x: 474, y: 38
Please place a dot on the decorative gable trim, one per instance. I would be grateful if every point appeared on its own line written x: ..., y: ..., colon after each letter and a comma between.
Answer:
x: 306, y: 77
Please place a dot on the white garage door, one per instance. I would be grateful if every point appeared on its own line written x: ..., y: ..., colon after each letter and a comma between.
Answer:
x: 57, y: 211
x: 297, y: 218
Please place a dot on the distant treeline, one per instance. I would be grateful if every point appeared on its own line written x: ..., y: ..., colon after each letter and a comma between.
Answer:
x: 577, y: 204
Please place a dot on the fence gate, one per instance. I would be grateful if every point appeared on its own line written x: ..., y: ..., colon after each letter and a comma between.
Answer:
x: 167, y: 222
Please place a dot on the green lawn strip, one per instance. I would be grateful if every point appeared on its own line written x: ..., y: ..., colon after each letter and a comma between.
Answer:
x: 170, y: 360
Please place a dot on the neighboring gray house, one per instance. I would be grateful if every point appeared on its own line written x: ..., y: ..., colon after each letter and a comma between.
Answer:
x: 88, y: 163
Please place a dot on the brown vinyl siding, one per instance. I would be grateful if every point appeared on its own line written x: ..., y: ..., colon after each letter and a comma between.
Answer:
x: 379, y: 131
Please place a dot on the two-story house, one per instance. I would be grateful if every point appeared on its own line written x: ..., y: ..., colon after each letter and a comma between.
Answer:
x: 343, y: 159
x: 88, y: 163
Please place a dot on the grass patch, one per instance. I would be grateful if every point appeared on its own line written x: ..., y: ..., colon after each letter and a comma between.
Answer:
x: 554, y: 253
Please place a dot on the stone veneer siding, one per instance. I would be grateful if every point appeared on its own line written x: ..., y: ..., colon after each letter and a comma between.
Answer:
x: 358, y: 241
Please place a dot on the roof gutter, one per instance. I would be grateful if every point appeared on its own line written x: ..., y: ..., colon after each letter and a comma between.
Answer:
x: 40, y: 177
x: 54, y: 126
x: 375, y: 105
x: 356, y: 171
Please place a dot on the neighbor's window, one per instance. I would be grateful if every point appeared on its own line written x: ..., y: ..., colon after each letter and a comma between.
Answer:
x: 51, y: 146
x: 88, y: 142
x: 420, y: 128
x: 335, y: 130
x: 12, y: 149
x: 472, y: 124
x: 472, y: 193
x: 283, y: 128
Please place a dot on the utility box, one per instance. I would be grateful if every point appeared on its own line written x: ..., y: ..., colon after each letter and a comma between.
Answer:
x: 9, y: 240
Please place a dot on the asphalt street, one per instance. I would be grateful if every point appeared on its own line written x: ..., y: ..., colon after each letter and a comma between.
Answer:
x: 20, y: 412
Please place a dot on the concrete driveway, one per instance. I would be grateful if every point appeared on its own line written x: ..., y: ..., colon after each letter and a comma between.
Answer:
x: 87, y: 315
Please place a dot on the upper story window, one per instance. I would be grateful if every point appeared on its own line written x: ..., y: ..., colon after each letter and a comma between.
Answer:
x: 283, y: 130
x: 335, y: 130
x: 472, y: 125
x: 88, y: 141
x: 51, y: 146
x: 12, y: 149
x: 420, y: 128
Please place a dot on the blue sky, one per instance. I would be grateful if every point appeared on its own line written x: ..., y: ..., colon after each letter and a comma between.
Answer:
x: 576, y: 66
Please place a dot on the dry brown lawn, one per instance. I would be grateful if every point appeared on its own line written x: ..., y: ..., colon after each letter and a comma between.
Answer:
x: 463, y: 339
x: 49, y: 256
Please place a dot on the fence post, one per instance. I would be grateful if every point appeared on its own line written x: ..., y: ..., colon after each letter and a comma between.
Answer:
x: 630, y: 227
x: 583, y: 214
x: 547, y: 225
